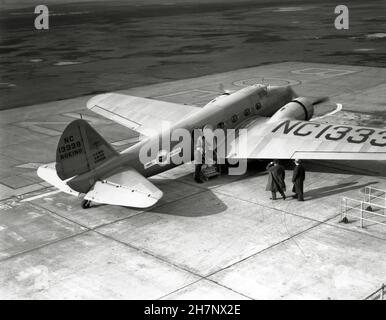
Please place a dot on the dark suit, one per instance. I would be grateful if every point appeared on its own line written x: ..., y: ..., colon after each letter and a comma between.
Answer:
x: 199, y: 158
x: 298, y: 180
x: 276, y: 183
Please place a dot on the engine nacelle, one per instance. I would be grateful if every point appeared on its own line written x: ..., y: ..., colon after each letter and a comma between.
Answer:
x: 300, y: 108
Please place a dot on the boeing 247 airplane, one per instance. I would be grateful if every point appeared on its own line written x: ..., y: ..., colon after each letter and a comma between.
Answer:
x: 276, y: 125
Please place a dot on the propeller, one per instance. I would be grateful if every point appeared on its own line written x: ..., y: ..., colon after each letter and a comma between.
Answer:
x: 293, y: 93
x: 322, y: 110
x: 320, y: 100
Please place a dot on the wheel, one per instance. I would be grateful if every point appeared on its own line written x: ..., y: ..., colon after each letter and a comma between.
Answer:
x: 344, y: 220
x: 86, y: 204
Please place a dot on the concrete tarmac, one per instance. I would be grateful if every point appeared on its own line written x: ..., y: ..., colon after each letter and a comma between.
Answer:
x: 218, y: 240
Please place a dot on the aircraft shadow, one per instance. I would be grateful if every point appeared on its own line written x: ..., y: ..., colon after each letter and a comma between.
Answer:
x: 334, y: 189
x: 196, y: 204
x: 375, y: 168
x: 207, y: 203
x: 203, y: 203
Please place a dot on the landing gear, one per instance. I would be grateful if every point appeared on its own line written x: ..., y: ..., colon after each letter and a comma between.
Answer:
x: 86, y: 204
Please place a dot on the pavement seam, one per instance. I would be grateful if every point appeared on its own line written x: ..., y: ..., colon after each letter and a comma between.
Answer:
x: 209, y: 280
x: 43, y: 245
x: 173, y: 264
x: 326, y: 221
x: 176, y: 266
x: 149, y: 253
x: 181, y: 288
x: 80, y: 225
x: 17, y: 196
x: 264, y: 249
x: 272, y: 208
x: 229, y: 288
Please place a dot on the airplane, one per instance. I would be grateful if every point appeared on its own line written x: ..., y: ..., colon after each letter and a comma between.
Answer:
x: 271, y: 122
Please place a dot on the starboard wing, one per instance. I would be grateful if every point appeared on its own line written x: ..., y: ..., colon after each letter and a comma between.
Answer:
x: 291, y: 139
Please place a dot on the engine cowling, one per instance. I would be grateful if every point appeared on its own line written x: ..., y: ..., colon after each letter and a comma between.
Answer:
x: 300, y: 108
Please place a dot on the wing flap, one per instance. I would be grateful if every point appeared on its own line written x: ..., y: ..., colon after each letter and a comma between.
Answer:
x: 140, y: 114
x: 128, y: 189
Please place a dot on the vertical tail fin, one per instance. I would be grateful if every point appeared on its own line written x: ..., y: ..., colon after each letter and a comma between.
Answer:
x: 81, y: 149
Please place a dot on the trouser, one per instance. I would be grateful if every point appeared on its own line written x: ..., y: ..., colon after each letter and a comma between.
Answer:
x: 197, y: 172
x: 298, y: 189
x: 274, y: 194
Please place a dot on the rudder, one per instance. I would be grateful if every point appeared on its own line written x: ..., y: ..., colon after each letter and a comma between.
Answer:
x: 81, y: 149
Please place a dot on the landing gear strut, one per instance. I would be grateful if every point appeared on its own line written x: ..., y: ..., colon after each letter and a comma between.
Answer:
x: 86, y: 204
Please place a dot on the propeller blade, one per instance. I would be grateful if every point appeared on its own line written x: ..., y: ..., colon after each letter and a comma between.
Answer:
x: 294, y: 94
x: 320, y: 100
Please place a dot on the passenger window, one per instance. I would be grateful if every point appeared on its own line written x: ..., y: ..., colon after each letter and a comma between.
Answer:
x: 221, y: 125
x: 235, y: 118
x: 247, y: 112
x: 258, y: 106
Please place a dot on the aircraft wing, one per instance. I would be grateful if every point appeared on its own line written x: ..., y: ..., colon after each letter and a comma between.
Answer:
x: 143, y: 115
x: 128, y: 188
x: 291, y: 139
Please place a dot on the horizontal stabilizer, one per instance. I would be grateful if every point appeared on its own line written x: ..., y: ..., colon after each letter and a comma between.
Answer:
x: 128, y: 189
x: 47, y: 172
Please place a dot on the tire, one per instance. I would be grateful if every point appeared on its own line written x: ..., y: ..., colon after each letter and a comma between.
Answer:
x: 86, y: 204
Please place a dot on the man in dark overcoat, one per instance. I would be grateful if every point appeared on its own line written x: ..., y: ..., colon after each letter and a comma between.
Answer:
x: 276, y: 177
x: 298, y: 178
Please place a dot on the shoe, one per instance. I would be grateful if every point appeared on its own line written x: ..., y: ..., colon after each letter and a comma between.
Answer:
x: 199, y: 181
x: 284, y: 197
x: 272, y: 199
x: 295, y: 196
x: 300, y: 199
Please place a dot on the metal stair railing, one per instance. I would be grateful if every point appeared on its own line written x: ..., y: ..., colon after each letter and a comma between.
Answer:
x: 362, y: 210
x: 379, y: 294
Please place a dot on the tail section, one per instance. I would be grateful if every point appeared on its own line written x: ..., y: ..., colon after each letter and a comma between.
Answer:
x: 81, y: 149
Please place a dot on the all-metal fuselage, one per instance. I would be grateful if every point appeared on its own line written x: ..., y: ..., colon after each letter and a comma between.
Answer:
x: 228, y: 111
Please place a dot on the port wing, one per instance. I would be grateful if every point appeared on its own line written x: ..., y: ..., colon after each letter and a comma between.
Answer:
x: 146, y: 116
